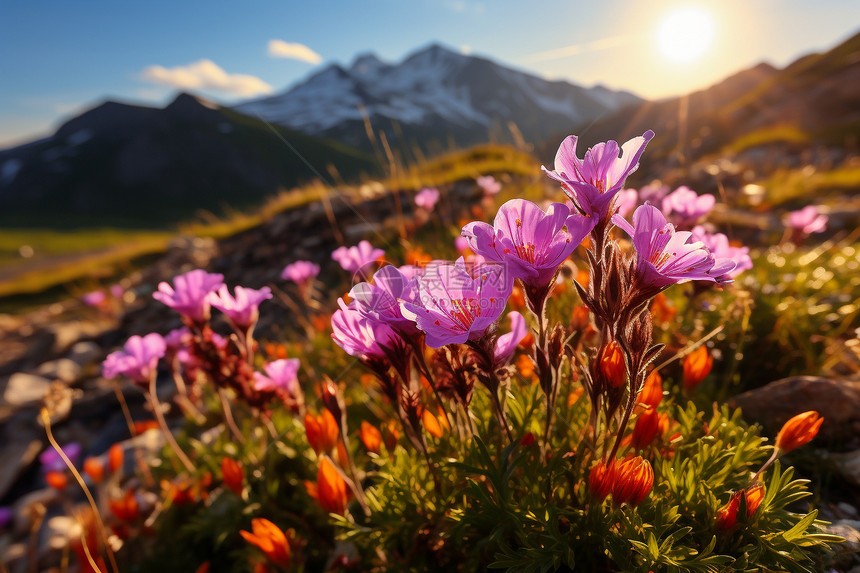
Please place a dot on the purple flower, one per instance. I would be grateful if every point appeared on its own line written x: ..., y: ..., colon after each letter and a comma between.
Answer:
x: 280, y: 375
x: 488, y: 185
x: 6, y: 516
x: 243, y: 308
x: 665, y: 256
x: 453, y: 307
x: 361, y: 337
x: 95, y: 298
x: 507, y: 343
x: 189, y: 295
x: 137, y: 360
x: 300, y: 272
x: 356, y: 258
x: 529, y: 242
x: 593, y: 182
x: 653, y: 193
x: 686, y: 207
x: 380, y: 300
x: 117, y: 291
x: 627, y: 201
x: 719, y: 246
x: 427, y: 198
x: 807, y: 220
x: 52, y: 462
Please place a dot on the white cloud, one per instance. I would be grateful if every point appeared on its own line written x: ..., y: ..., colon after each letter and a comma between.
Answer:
x: 576, y: 49
x: 293, y: 51
x: 206, y: 75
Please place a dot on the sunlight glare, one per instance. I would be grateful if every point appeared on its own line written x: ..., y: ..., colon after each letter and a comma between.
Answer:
x: 685, y: 34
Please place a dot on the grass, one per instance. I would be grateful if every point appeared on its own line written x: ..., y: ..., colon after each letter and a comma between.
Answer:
x: 66, y: 257
x: 768, y: 135
x: 787, y: 185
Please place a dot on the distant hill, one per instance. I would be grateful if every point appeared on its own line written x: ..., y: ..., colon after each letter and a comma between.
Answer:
x: 433, y: 98
x: 815, y: 99
x: 120, y: 164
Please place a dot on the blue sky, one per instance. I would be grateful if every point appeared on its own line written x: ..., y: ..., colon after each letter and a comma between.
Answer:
x: 59, y: 58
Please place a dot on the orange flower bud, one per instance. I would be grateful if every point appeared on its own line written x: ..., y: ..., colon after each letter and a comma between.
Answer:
x: 322, y: 431
x: 392, y: 434
x: 525, y: 365
x: 431, y: 424
x: 612, y: 365
x: 125, y: 508
x: 116, y: 455
x: 581, y: 318
x: 144, y: 426
x: 370, y: 437
x: 95, y: 468
x: 269, y: 538
x: 582, y: 276
x: 646, y: 429
x: 652, y: 391
x: 727, y: 516
x: 330, y: 490
x: 697, y: 365
x: 600, y: 479
x: 232, y: 474
x: 798, y: 431
x: 57, y: 480
x: 517, y: 298
x: 661, y: 311
x: 633, y: 480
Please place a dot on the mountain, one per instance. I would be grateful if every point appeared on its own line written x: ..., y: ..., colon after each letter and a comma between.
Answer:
x: 816, y: 99
x: 435, y: 94
x: 120, y: 164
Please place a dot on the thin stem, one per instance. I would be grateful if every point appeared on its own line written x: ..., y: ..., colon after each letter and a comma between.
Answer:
x: 168, y: 435
x: 766, y: 465
x: 138, y: 455
x: 501, y: 415
x: 46, y: 420
x: 228, y: 416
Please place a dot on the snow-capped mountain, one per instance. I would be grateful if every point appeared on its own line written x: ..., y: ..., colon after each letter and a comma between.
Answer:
x: 433, y: 94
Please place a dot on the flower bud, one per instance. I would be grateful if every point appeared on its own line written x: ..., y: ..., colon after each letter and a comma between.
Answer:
x: 697, y: 365
x: 270, y: 539
x: 646, y: 429
x: 612, y: 365
x: 232, y: 474
x: 125, y: 508
x: 330, y: 489
x: 431, y: 424
x: 57, y: 480
x: 798, y: 431
x: 95, y: 468
x: 633, y: 480
x: 727, y: 515
x: 322, y: 431
x: 370, y: 437
x: 115, y: 457
x: 600, y: 479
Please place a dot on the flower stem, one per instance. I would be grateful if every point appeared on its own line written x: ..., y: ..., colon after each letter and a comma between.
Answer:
x: 168, y: 435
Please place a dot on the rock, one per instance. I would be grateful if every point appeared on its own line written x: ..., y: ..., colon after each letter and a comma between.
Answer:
x: 84, y: 353
x: 15, y: 457
x: 63, y: 369
x: 25, y: 388
x: 838, y: 401
x: 847, y: 529
x: 848, y: 466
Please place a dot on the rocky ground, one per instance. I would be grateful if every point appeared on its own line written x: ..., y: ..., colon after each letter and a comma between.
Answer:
x: 57, y: 351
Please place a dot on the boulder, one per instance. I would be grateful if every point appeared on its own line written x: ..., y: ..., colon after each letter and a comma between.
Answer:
x: 837, y: 400
x: 24, y: 389
x: 62, y: 369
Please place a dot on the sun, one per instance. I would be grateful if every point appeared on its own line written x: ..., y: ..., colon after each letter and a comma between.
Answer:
x: 685, y: 34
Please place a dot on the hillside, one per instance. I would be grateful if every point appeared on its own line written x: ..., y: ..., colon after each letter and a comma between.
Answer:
x: 815, y: 99
x: 126, y: 165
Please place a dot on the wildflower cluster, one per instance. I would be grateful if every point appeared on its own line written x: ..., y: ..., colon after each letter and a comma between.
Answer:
x: 515, y: 410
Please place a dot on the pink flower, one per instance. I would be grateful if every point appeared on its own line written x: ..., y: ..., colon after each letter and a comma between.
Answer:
x: 719, y: 246
x: 52, y: 461
x: 243, y: 309
x: 362, y: 337
x: 117, y: 291
x: 280, y: 375
x: 357, y: 258
x: 686, y: 207
x: 807, y: 220
x: 489, y: 185
x: 189, y: 295
x: 626, y: 201
x: 530, y: 243
x: 95, y: 298
x: 137, y: 360
x: 461, y: 243
x: 427, y: 198
x: 665, y: 256
x: 300, y: 272
x: 507, y: 343
x: 454, y: 306
x: 379, y: 300
x: 593, y: 182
